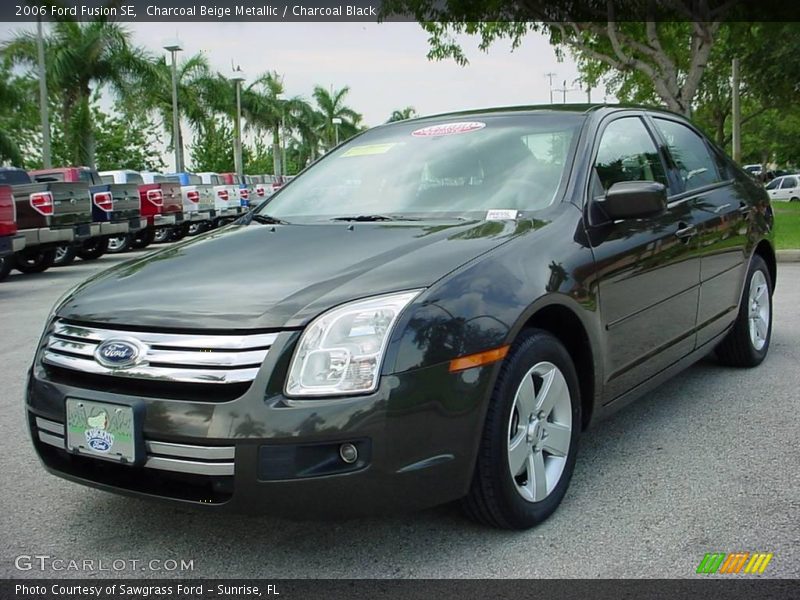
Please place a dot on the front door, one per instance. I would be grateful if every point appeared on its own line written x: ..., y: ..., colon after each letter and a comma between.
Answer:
x: 648, y: 272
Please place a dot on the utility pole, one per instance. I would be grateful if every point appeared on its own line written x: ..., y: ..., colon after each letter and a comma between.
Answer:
x: 237, y: 77
x: 44, y: 109
x: 550, y: 79
x: 173, y: 47
x: 737, y: 113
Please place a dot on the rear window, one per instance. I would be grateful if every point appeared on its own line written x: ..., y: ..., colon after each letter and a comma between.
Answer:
x: 107, y: 178
x: 195, y: 180
x: 47, y: 177
x: 14, y: 176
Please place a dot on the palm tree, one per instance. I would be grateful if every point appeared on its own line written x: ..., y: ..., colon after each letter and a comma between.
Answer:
x: 409, y: 112
x: 193, y: 83
x: 80, y: 56
x: 331, y: 105
x: 10, y: 99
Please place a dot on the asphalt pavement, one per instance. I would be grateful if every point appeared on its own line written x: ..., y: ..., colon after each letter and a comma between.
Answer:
x: 709, y: 462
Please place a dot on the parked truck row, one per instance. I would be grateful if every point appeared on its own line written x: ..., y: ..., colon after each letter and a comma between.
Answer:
x: 53, y: 216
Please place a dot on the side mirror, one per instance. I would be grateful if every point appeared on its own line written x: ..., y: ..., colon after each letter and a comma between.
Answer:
x: 634, y: 200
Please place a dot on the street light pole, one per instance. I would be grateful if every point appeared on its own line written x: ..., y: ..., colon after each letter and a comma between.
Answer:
x: 281, y: 154
x: 173, y: 47
x: 336, y: 122
x: 43, y: 102
x: 238, y: 77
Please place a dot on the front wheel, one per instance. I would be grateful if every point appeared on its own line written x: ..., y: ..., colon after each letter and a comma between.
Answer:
x: 747, y: 344
x: 34, y: 261
x: 530, y: 437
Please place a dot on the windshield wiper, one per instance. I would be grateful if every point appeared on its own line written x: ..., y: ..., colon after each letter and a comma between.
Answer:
x: 267, y: 220
x: 367, y: 218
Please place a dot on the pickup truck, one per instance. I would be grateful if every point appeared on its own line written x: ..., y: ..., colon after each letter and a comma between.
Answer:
x: 115, y: 206
x: 159, y: 202
x: 10, y: 241
x: 199, y: 204
x: 241, y: 187
x: 49, y: 214
x: 226, y: 198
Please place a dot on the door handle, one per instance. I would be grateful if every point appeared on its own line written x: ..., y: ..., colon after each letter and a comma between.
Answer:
x: 686, y: 231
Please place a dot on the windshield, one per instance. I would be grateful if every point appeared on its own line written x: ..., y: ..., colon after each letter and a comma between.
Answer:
x: 446, y: 168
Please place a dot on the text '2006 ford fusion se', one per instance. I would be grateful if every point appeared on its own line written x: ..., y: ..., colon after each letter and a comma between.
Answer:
x: 433, y: 311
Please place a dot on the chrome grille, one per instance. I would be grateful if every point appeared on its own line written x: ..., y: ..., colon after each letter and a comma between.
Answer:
x: 165, y: 456
x: 171, y: 357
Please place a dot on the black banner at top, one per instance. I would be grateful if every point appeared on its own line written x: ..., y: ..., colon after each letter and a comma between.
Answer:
x: 399, y: 10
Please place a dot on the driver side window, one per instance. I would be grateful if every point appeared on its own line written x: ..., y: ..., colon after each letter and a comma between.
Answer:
x: 626, y: 153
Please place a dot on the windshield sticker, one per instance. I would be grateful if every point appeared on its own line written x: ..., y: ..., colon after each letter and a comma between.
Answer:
x: 448, y: 129
x: 368, y: 150
x: 501, y: 214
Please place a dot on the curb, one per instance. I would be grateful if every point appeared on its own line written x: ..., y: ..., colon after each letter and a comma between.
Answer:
x: 787, y: 256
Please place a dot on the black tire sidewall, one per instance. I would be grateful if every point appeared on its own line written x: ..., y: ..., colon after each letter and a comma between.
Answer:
x: 531, y: 347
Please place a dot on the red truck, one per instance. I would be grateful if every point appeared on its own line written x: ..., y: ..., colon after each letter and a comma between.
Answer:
x: 49, y: 215
x: 114, y: 206
x: 10, y: 241
x: 160, y: 202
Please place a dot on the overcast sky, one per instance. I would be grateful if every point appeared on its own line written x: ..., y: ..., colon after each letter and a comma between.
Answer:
x: 385, y: 65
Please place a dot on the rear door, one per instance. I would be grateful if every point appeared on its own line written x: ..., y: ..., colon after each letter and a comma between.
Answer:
x: 720, y: 211
x: 648, y: 272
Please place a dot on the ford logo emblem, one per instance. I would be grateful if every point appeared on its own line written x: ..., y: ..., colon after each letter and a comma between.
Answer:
x: 118, y: 354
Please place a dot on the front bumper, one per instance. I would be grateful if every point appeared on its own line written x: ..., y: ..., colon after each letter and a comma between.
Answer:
x: 417, y: 437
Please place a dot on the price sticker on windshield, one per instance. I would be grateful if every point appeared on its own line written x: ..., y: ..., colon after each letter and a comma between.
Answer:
x: 369, y: 149
x: 502, y: 214
x: 448, y: 129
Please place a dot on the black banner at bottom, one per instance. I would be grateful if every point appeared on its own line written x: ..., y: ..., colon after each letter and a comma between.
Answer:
x: 437, y: 589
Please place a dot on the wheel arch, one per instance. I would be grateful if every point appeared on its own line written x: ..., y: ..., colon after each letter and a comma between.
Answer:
x: 764, y: 250
x: 563, y: 322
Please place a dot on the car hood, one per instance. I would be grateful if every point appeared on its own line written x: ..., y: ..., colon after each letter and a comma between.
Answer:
x: 256, y: 276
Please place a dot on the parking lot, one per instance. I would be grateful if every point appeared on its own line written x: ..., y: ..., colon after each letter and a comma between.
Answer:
x: 707, y: 463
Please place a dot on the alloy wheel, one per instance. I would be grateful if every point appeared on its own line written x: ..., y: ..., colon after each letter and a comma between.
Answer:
x: 539, y: 431
x: 758, y: 310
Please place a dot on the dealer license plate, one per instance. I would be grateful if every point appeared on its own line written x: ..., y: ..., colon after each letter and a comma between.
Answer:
x: 101, y: 430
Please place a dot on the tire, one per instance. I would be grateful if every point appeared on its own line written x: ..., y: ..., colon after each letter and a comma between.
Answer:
x: 162, y: 235
x: 179, y: 232
x: 747, y: 344
x: 118, y: 244
x: 6, y: 264
x: 496, y: 497
x: 198, y: 228
x: 93, y: 249
x: 34, y: 261
x: 65, y: 255
x: 143, y: 238
x: 795, y: 200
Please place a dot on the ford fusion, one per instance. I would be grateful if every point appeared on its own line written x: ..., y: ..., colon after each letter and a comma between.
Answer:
x: 434, y: 311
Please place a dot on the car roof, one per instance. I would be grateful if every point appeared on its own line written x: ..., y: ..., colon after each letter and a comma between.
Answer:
x: 583, y: 109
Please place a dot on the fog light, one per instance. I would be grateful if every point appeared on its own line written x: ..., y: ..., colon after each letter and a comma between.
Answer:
x: 348, y: 453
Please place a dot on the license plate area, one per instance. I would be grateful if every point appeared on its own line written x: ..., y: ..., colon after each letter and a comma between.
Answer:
x: 105, y: 430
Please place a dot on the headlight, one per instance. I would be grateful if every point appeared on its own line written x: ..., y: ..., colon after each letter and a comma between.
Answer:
x: 341, y: 351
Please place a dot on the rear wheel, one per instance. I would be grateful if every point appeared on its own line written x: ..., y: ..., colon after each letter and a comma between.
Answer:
x: 199, y: 227
x: 143, y: 238
x: 93, y: 249
x: 5, y: 266
x: 747, y: 344
x: 118, y: 244
x: 530, y: 437
x: 65, y: 255
x: 795, y: 200
x: 162, y: 235
x: 34, y: 260
x: 179, y: 232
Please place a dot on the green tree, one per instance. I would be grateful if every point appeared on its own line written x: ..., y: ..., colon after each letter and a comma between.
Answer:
x: 11, y: 101
x: 409, y: 112
x: 212, y: 149
x: 126, y: 140
x: 331, y: 104
x: 81, y: 58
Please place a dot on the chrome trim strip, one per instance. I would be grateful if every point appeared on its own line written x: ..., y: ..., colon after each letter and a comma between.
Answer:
x: 174, y: 340
x: 167, y: 374
x: 185, y: 466
x: 189, y: 451
x: 52, y: 440
x: 51, y: 426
